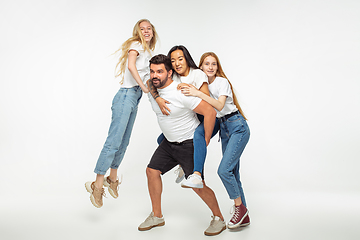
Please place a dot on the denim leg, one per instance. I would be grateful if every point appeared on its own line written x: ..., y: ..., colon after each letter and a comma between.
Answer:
x: 236, y: 172
x: 124, y: 109
x: 160, y: 138
x: 119, y: 155
x: 234, y: 137
x: 200, y: 149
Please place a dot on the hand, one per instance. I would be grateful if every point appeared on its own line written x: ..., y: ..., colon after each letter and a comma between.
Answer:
x: 162, y: 105
x: 180, y: 85
x: 207, y: 142
x: 145, y: 89
x: 190, y: 90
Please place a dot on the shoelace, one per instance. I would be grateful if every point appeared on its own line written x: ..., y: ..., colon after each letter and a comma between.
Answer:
x: 119, y: 182
x: 92, y: 186
x: 236, y: 211
x: 121, y: 179
x: 232, y: 209
x: 102, y: 191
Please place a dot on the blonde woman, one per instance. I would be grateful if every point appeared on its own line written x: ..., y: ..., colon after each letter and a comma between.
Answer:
x: 234, y: 132
x: 133, y: 69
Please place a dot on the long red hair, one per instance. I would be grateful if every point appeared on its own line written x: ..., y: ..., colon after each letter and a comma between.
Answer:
x: 220, y: 73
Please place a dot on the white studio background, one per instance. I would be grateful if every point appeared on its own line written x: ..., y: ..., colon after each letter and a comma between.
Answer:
x: 295, y: 67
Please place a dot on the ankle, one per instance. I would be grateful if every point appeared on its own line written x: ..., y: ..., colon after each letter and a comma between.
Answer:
x: 98, y: 186
x: 113, y: 179
x: 221, y: 217
x: 158, y: 215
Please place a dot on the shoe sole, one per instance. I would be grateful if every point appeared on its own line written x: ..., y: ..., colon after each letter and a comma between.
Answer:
x: 213, y: 234
x: 240, y: 222
x: 244, y: 224
x: 89, y: 190
x: 88, y: 187
x: 148, y: 228
x: 92, y: 199
x: 184, y: 185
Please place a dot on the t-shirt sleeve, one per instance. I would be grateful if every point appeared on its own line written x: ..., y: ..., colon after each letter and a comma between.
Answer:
x: 224, y: 88
x: 136, y: 46
x: 201, y: 78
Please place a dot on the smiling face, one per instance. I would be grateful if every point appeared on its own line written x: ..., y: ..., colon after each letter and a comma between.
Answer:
x: 179, y: 63
x: 146, y: 31
x: 159, y: 76
x: 210, y: 67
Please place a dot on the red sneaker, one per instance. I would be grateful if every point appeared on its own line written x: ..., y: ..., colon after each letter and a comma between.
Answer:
x: 239, y: 215
x: 245, y: 222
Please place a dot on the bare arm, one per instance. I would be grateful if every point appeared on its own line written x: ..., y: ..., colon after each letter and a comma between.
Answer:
x: 205, y: 88
x: 192, y: 91
x: 209, y: 114
x: 159, y: 100
x: 133, y: 70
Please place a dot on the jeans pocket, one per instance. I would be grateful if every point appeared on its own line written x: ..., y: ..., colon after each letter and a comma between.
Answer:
x: 235, y: 118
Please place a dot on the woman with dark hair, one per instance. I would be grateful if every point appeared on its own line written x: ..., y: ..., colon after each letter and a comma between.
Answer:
x: 186, y: 72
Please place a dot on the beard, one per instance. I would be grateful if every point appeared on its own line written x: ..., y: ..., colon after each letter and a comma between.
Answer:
x: 158, y: 82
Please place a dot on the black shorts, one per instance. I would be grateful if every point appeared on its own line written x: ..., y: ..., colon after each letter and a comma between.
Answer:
x: 168, y: 155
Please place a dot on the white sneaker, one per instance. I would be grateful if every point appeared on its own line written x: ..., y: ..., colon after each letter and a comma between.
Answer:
x: 193, y: 181
x: 150, y: 222
x: 180, y: 174
x: 216, y: 226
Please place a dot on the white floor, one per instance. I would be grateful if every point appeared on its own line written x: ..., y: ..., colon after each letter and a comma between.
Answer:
x: 46, y: 213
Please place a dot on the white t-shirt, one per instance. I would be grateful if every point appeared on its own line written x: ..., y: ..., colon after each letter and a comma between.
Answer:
x: 180, y: 125
x: 142, y: 66
x: 221, y: 87
x: 195, y: 77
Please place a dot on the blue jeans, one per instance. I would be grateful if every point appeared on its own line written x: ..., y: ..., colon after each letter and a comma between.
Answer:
x: 124, y: 109
x: 200, y: 149
x: 234, y: 134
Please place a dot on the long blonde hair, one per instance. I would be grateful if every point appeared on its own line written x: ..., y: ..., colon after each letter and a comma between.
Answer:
x: 220, y: 73
x: 136, y: 36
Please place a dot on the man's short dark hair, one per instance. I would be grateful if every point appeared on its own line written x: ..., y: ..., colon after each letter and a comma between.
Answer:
x: 162, y: 59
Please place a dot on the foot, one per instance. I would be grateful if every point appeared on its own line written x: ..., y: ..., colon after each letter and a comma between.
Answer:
x: 193, y: 181
x: 150, y: 222
x: 180, y: 174
x: 216, y: 226
x: 112, y: 186
x: 95, y: 194
x: 239, y: 215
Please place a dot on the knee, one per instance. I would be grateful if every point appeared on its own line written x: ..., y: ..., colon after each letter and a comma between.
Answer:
x: 151, y: 173
x: 221, y: 172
